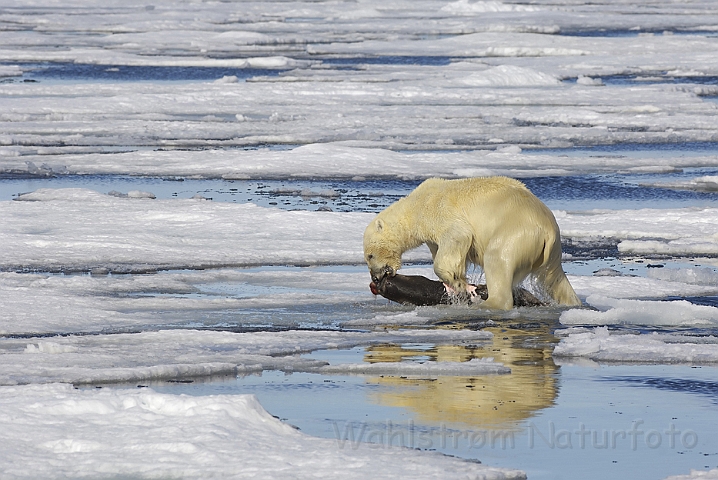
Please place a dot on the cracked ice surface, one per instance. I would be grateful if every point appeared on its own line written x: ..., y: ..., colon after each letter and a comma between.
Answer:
x: 500, y: 83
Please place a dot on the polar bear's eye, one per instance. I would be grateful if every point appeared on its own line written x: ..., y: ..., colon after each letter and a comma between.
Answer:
x: 370, y: 256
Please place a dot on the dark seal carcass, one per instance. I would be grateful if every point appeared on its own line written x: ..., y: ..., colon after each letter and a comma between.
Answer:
x: 421, y: 291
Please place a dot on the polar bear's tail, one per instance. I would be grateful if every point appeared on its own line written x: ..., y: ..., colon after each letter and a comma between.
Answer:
x: 552, y: 277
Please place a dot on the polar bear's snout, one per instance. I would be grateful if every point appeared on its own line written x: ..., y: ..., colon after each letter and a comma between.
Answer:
x: 378, y: 275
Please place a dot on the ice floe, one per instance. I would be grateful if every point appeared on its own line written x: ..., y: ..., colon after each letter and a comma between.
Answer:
x: 73, y: 227
x: 661, y: 284
x: 693, y: 276
x: 172, y: 354
x: 696, y: 475
x: 602, y: 345
x: 706, y: 183
x: 612, y: 311
x: 464, y: 7
x: 510, y: 76
x: 55, y: 431
x: 685, y: 231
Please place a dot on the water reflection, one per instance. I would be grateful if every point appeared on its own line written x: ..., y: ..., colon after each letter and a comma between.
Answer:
x: 485, y: 402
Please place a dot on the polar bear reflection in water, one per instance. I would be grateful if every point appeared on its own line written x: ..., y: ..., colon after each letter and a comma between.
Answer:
x: 493, y: 222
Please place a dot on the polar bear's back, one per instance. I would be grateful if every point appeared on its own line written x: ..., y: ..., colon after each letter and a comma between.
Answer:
x: 469, y: 187
x: 489, y: 204
x: 473, y: 192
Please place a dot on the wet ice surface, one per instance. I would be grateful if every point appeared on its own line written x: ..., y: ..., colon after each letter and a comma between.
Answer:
x: 247, y: 127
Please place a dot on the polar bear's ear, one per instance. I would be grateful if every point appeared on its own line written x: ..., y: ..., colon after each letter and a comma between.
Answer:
x: 379, y: 225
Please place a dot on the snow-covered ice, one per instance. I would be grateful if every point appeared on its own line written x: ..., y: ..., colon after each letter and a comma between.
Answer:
x: 674, y: 282
x: 502, y: 84
x: 602, y: 345
x: 55, y: 431
x: 186, y: 353
x: 611, y: 311
x: 696, y: 475
x: 706, y: 183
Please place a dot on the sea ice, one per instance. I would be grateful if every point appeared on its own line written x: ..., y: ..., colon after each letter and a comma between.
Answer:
x: 442, y: 88
x: 602, y: 345
x: 171, y: 354
x: 510, y: 76
x: 660, y: 283
x: 56, y: 431
x: 693, y: 276
x: 696, y: 475
x: 706, y: 183
x: 612, y: 311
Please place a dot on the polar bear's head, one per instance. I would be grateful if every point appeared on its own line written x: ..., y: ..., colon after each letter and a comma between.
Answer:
x: 381, y: 251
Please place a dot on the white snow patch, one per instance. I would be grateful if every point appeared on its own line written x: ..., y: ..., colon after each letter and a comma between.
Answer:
x: 10, y: 71
x: 612, y: 311
x: 87, y: 359
x: 49, y: 347
x: 510, y: 76
x: 696, y: 475
x: 412, y: 317
x: 708, y: 183
x: 589, y: 81
x: 692, y: 276
x: 463, y: 7
x: 681, y: 231
x: 229, y: 79
x: 657, y: 285
x: 51, y: 228
x: 355, y: 159
x: 140, y: 194
x: 602, y: 345
x: 55, y: 431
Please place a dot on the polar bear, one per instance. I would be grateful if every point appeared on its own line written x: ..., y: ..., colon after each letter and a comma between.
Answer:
x: 493, y: 222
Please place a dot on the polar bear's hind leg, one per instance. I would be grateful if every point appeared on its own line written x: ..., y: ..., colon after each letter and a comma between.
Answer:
x: 552, y: 278
x: 557, y: 286
x: 499, y: 283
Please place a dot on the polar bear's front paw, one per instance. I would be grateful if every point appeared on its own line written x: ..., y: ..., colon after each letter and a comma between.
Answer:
x: 467, y: 294
x: 450, y: 291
